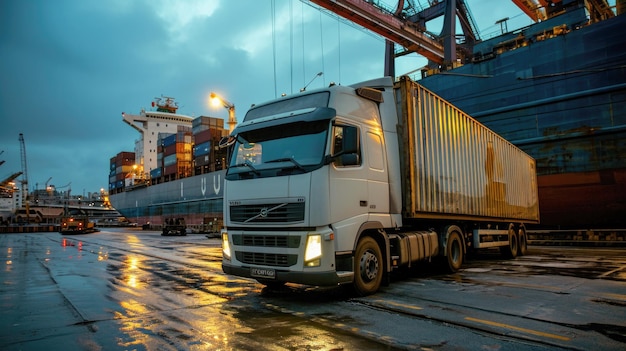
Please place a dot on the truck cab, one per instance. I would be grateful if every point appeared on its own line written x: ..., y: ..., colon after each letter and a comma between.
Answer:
x: 305, y: 174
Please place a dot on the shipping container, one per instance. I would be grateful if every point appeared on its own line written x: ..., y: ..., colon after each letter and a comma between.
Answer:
x: 202, y: 149
x: 156, y: 173
x: 457, y: 167
x: 202, y: 136
x: 203, y: 123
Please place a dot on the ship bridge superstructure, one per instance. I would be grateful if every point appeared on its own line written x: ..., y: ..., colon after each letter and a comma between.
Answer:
x: 152, y: 123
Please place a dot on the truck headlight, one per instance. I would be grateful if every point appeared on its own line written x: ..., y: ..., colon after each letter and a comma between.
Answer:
x: 313, y: 250
x: 225, y: 246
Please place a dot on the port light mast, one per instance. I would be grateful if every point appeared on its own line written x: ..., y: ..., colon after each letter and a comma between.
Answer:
x: 232, y: 120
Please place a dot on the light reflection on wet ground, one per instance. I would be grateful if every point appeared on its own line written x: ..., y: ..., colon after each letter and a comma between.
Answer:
x: 141, y: 291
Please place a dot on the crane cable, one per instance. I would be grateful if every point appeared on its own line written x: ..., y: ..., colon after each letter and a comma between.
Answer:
x: 273, y: 9
x: 291, y: 46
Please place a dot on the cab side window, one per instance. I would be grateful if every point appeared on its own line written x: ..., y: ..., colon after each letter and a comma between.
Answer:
x: 346, y: 146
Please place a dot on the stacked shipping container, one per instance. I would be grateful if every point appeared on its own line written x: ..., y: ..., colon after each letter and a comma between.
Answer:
x: 207, y: 132
x: 175, y: 154
x: 188, y: 152
x: 121, y: 166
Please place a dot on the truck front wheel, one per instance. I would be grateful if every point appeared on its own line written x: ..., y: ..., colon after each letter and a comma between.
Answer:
x: 368, y: 267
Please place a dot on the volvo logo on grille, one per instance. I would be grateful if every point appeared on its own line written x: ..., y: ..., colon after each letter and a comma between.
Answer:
x: 264, y: 212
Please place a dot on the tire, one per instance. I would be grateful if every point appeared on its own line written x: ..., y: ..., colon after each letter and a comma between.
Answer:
x: 454, y: 252
x: 511, y: 250
x: 368, y: 267
x: 522, y: 242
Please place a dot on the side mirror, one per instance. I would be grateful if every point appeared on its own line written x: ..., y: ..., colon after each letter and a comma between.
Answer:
x: 227, y: 141
x: 350, y: 140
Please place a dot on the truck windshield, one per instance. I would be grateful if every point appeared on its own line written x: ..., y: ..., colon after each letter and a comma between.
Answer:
x: 279, y: 150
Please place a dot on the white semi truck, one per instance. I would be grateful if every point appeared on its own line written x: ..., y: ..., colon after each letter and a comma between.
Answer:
x: 342, y: 185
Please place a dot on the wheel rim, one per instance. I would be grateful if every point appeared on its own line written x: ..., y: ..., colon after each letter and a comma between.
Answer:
x: 369, y: 266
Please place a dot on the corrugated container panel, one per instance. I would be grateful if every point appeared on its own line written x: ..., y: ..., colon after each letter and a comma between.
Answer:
x: 124, y: 169
x: 201, y: 160
x: 177, y: 148
x: 184, y: 148
x: 202, y: 136
x: 208, y: 121
x: 457, y: 167
x: 169, y: 160
x: 168, y: 140
x: 183, y: 137
x: 185, y: 129
x: 124, y: 158
x: 171, y: 169
x: 201, y: 149
x: 156, y: 173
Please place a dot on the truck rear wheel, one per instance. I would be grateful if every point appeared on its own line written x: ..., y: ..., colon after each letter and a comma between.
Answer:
x: 454, y: 252
x: 510, y: 251
x: 368, y: 267
x: 522, y: 242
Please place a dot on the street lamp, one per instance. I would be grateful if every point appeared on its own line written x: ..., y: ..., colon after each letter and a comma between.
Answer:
x: 232, y: 121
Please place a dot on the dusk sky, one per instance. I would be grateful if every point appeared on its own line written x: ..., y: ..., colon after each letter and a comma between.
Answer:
x: 71, y: 67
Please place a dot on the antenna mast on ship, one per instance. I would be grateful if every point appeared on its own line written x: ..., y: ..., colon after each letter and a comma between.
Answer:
x: 165, y: 104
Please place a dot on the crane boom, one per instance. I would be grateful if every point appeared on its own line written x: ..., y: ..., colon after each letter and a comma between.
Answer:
x: 391, y: 27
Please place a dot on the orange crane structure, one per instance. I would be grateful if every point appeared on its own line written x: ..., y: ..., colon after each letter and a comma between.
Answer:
x: 406, y: 26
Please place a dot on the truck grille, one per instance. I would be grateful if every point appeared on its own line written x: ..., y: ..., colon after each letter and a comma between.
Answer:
x: 287, y: 212
x: 267, y: 240
x: 279, y: 260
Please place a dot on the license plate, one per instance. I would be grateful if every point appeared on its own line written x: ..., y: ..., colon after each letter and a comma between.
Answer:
x: 263, y: 273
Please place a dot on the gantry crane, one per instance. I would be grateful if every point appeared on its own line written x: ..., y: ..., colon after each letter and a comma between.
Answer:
x: 25, y: 198
x: 406, y: 26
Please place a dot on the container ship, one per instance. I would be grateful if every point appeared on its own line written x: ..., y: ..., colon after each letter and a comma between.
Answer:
x: 175, y: 170
x: 556, y: 89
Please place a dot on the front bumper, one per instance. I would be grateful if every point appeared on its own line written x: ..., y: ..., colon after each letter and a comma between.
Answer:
x: 328, y: 278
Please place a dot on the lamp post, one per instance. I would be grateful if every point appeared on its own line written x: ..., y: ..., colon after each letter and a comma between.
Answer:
x: 232, y: 120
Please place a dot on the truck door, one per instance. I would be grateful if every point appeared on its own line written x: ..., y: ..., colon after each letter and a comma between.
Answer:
x: 349, y: 195
x: 377, y: 180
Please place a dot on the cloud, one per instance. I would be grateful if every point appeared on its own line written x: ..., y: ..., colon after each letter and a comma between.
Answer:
x: 179, y: 16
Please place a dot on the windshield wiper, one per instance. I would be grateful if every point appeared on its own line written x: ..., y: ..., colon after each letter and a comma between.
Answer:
x: 290, y: 159
x: 248, y: 164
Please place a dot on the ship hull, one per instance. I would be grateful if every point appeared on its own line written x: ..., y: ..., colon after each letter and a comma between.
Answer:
x: 197, y: 199
x: 563, y: 101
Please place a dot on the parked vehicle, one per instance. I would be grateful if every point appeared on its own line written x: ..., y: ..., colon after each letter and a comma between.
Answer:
x: 343, y: 185
x: 174, y: 226
x: 76, y: 222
